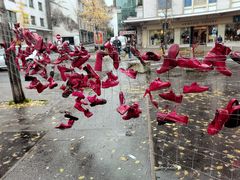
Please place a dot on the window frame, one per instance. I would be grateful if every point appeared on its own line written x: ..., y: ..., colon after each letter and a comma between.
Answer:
x: 34, y: 17
x: 169, y: 5
x: 42, y: 22
x: 40, y: 6
x: 31, y: 3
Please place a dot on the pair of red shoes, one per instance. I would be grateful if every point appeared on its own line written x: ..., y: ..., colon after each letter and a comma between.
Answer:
x: 70, y: 122
x: 132, y: 111
x: 169, y: 61
x: 194, y: 88
x: 171, y: 117
x: 129, y: 72
x: 228, y: 117
x: 111, y: 81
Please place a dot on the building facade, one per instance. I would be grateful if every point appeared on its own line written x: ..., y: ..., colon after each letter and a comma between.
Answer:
x: 187, y: 22
x: 66, y: 22
x: 32, y: 14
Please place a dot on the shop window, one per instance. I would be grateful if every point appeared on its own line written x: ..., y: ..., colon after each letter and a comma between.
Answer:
x: 212, y: 33
x: 232, y: 32
x: 163, y: 4
x: 187, y: 3
x: 156, y: 37
x: 185, y: 35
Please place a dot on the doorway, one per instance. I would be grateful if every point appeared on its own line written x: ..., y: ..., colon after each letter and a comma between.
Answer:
x: 200, y: 35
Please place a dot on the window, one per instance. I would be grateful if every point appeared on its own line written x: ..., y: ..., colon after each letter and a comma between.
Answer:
x: 200, y: 2
x: 12, y: 17
x: 187, y: 3
x: 163, y: 4
x: 40, y: 6
x: 140, y: 2
x: 1, y: 18
x: 33, y: 21
x: 212, y: 1
x: 156, y: 37
x: 12, y: 0
x: 232, y: 32
x: 31, y: 3
x: 185, y: 35
x: 42, y: 21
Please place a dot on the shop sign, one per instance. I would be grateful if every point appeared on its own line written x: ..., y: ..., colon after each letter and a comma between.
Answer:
x: 122, y: 33
x: 197, y: 22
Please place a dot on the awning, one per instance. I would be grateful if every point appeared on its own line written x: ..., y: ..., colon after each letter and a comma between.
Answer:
x: 139, y: 20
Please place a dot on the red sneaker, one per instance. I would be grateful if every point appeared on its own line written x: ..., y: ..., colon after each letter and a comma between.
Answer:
x: 66, y: 126
x: 221, y: 117
x: 129, y: 72
x: 95, y: 86
x: 235, y: 55
x: 194, y: 88
x: 156, y: 85
x: 171, y: 96
x: 193, y: 63
x: 40, y: 87
x: 61, y: 58
x: 79, y: 94
x: 99, y: 59
x: 221, y: 67
x: 91, y: 73
x: 171, y: 117
x: 94, y: 101
x: 87, y: 113
x: 167, y: 65
x: 62, y: 69
x: 109, y: 83
x: 233, y: 108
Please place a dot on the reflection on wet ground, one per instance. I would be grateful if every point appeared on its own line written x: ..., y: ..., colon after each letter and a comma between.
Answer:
x: 188, y: 151
x: 13, y: 146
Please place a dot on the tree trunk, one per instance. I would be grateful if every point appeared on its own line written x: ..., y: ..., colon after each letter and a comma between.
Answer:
x: 14, y: 75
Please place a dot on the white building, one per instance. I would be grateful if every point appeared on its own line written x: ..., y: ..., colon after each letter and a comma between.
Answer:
x: 32, y: 14
x: 66, y: 22
x: 189, y: 21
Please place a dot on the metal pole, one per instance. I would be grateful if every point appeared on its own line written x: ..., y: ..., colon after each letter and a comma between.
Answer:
x: 165, y: 25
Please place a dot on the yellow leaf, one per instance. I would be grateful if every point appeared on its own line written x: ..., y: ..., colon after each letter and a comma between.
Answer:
x: 237, y: 151
x: 123, y: 158
x: 185, y: 173
x: 81, y: 177
x: 137, y: 162
x: 219, y: 167
x: 230, y: 156
x: 61, y: 170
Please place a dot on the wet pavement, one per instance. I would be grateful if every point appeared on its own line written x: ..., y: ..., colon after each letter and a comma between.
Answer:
x: 101, y: 147
x: 188, y: 152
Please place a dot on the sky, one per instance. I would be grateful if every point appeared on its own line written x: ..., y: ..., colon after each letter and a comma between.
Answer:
x: 109, y: 2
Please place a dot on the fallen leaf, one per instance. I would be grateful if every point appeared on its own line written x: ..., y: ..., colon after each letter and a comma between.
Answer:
x: 61, y: 170
x: 185, y: 173
x: 137, y: 162
x: 219, y: 167
x: 81, y: 177
x: 123, y: 158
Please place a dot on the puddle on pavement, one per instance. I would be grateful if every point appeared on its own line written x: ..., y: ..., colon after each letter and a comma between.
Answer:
x: 189, y: 152
x: 13, y: 146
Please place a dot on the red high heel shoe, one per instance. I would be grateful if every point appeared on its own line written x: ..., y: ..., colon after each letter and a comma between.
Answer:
x: 194, y: 88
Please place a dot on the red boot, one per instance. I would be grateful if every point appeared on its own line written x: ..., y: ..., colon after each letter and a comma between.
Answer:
x: 216, y: 125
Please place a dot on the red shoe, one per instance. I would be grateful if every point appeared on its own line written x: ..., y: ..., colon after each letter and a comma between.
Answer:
x: 99, y: 59
x: 151, y: 56
x: 121, y: 98
x: 122, y: 109
x: 95, y: 86
x: 221, y: 67
x: 173, y: 51
x: 79, y: 61
x: 193, y: 63
x: 111, y: 76
x: 194, y: 88
x: 171, y: 117
x: 137, y: 53
x: 220, y: 49
x: 235, y: 55
x: 129, y: 72
x: 61, y: 58
x: 171, y: 96
x: 220, y: 119
x: 87, y: 113
x: 70, y: 116
x: 133, y: 112
x: 96, y: 101
x: 33, y: 83
x: 43, y: 73
x: 91, y: 73
x: 40, y: 87
x: 66, y: 126
x: 156, y: 85
x: 62, y: 69
x: 79, y: 94
x: 109, y: 83
x: 167, y: 65
x: 66, y: 93
x: 233, y: 108
x: 116, y: 59
x: 52, y: 83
